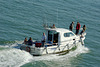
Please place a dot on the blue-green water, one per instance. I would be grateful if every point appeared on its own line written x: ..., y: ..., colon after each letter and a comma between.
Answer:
x: 24, y: 18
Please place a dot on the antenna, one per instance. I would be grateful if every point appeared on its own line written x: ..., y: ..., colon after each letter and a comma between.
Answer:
x: 45, y: 25
x: 57, y: 17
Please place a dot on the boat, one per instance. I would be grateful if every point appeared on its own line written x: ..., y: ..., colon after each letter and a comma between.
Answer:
x: 58, y: 41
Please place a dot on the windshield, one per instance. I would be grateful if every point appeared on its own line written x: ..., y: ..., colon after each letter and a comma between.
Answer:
x: 68, y: 34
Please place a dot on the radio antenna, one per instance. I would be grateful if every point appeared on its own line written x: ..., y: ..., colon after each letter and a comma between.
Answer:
x: 45, y: 22
x: 57, y: 17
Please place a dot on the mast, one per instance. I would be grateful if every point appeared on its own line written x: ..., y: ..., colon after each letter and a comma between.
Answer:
x: 57, y: 17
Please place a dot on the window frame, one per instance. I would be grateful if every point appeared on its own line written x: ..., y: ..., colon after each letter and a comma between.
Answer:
x: 68, y: 34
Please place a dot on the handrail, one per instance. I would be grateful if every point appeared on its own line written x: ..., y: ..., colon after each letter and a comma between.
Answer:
x: 70, y: 44
x: 68, y: 40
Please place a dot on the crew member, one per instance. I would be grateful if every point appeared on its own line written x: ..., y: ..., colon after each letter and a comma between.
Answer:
x: 82, y: 32
x: 43, y: 39
x: 81, y: 37
x: 77, y: 27
x: 71, y: 26
x: 84, y: 27
x: 53, y: 26
x: 30, y: 41
x: 25, y: 41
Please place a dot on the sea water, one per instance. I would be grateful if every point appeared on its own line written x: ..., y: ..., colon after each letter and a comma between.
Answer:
x: 25, y: 18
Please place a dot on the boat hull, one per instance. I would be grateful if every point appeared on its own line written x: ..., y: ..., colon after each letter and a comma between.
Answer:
x: 53, y: 49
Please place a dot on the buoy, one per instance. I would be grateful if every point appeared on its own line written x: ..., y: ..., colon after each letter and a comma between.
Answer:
x: 28, y: 49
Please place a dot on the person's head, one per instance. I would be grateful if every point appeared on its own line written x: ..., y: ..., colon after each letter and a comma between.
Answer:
x: 25, y: 39
x: 43, y: 33
x: 83, y: 25
x: 53, y: 25
x: 77, y: 22
x: 72, y: 22
x: 30, y: 38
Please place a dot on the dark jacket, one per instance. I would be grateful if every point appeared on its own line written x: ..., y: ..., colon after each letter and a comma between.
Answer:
x: 30, y: 42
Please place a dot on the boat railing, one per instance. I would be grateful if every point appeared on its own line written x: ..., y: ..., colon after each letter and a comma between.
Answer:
x: 69, y: 45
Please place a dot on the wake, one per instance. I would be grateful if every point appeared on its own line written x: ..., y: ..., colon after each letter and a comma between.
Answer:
x: 12, y: 56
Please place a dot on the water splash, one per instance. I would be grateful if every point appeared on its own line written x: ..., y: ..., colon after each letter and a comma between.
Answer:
x: 14, y: 57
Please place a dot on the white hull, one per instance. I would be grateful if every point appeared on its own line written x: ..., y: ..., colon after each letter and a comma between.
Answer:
x: 50, y: 49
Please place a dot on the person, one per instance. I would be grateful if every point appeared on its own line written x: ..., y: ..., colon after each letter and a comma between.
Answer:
x: 43, y: 39
x: 82, y: 33
x: 25, y: 41
x: 53, y: 26
x: 84, y: 27
x: 71, y: 26
x: 30, y: 41
x: 82, y: 36
x: 77, y: 27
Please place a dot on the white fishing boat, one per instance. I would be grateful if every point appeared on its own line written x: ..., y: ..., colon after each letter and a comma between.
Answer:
x: 59, y: 40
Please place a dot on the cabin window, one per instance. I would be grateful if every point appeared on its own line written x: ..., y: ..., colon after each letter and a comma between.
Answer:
x: 55, y: 38
x: 68, y: 34
x: 50, y: 35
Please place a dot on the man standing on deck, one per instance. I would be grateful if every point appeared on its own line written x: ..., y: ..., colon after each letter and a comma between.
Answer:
x: 71, y: 26
x: 77, y: 27
x: 43, y: 39
x: 53, y: 26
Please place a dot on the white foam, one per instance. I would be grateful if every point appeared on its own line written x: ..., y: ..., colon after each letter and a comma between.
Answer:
x: 19, y: 42
x: 14, y: 58
x: 11, y: 45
